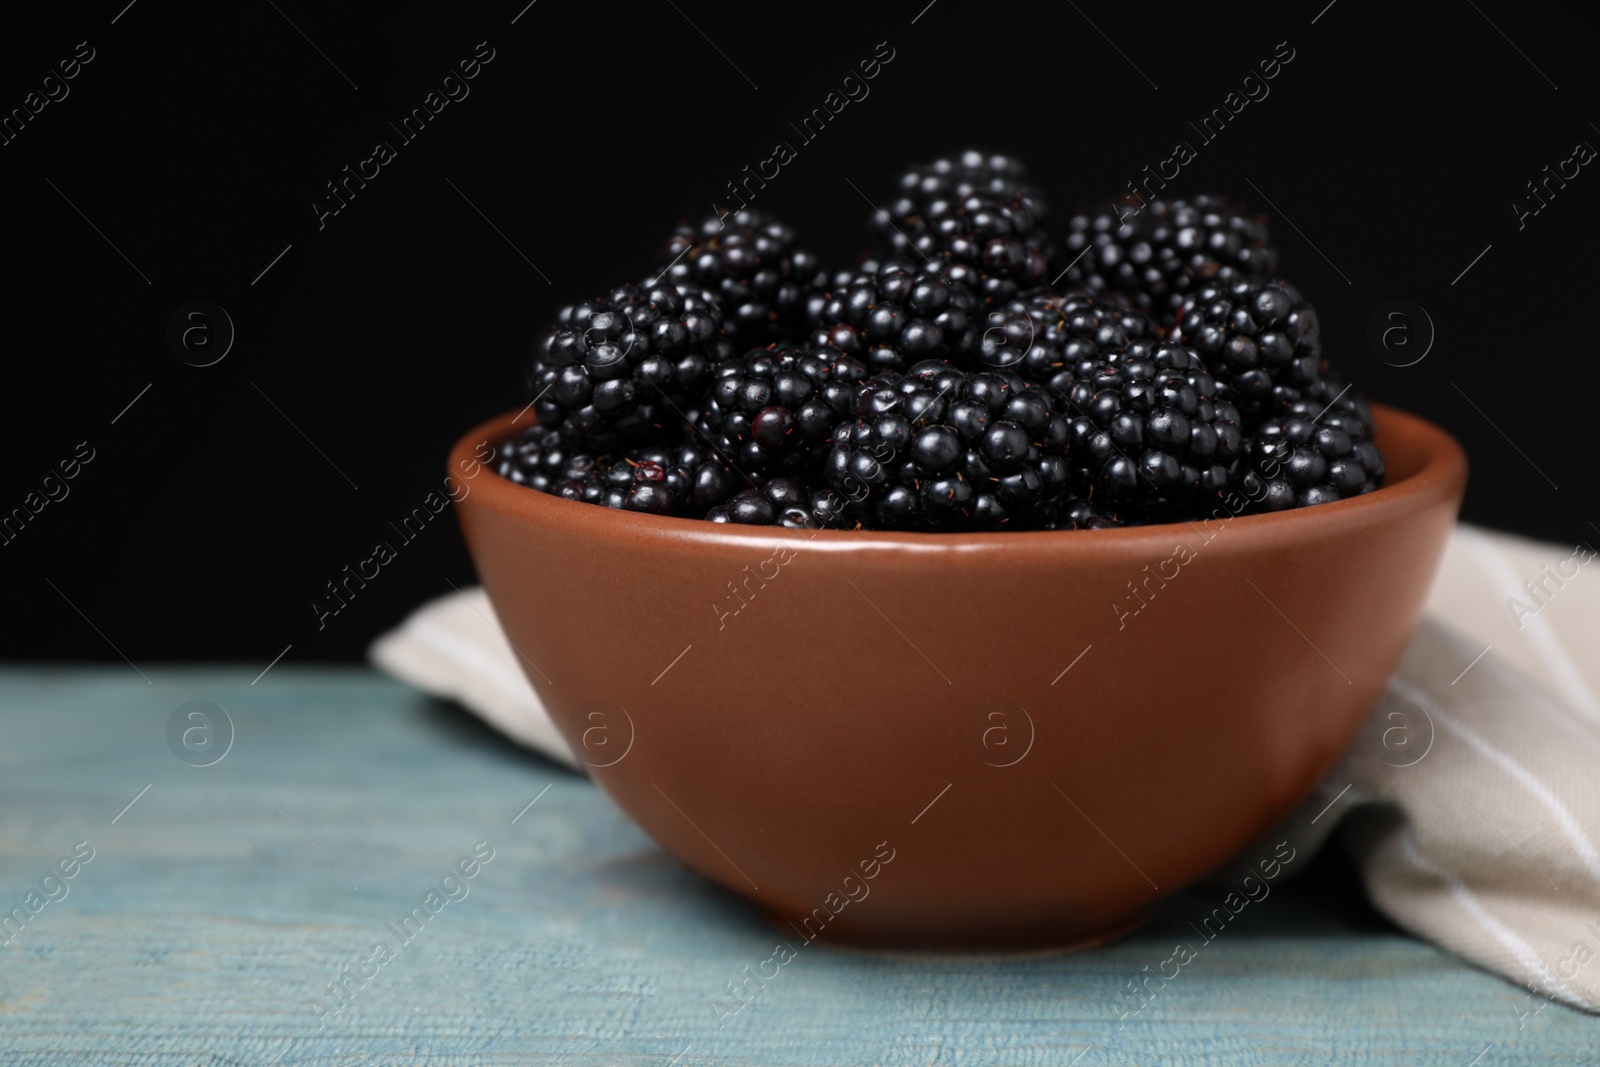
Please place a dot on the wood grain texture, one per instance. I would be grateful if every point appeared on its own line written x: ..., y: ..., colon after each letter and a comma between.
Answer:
x: 220, y: 905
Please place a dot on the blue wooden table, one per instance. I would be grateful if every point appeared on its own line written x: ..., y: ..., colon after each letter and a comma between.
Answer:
x: 232, y: 913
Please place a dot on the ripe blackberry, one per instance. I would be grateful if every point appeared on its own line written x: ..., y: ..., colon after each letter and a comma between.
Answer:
x: 626, y: 486
x: 784, y: 502
x: 865, y: 264
x: 972, y: 172
x: 1047, y: 337
x: 1165, y: 249
x: 1295, y: 462
x: 751, y: 261
x: 1078, y: 514
x: 681, y: 479
x: 938, y: 448
x: 770, y: 409
x: 1150, y: 435
x: 697, y: 474
x: 895, y: 316
x: 541, y: 460
x: 1330, y: 393
x: 1259, y: 338
x: 620, y: 369
x: 975, y: 216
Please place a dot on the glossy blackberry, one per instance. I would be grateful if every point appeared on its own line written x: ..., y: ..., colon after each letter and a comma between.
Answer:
x: 895, y: 316
x: 972, y: 172
x: 939, y: 448
x: 541, y: 460
x: 699, y: 476
x: 683, y: 479
x: 785, y: 502
x: 621, y: 368
x: 975, y: 216
x: 1047, y: 337
x: 1079, y: 514
x: 1259, y: 338
x: 1150, y: 436
x: 770, y: 411
x: 1330, y: 393
x: 864, y: 265
x: 754, y: 265
x: 1294, y: 462
x: 1163, y: 250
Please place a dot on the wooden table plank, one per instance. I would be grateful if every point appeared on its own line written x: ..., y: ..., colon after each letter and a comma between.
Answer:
x: 220, y: 905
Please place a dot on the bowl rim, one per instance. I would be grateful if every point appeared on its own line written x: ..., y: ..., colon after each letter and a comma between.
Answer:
x: 1439, y: 474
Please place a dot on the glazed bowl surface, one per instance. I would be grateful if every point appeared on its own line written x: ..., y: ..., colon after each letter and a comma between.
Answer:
x: 962, y: 740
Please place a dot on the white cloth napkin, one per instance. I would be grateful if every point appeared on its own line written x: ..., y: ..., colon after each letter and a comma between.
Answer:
x: 1470, y: 801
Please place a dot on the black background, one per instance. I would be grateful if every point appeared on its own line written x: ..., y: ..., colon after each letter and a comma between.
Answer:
x: 197, y: 138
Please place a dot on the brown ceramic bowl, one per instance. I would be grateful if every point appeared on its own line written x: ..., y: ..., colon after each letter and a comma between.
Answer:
x: 982, y: 740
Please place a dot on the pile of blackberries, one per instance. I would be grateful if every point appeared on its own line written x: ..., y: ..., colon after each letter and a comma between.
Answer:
x: 945, y: 382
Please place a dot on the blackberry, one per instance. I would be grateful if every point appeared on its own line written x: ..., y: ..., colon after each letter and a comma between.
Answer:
x: 972, y: 172
x: 1259, y: 338
x: 751, y: 261
x: 784, y: 502
x: 1150, y: 435
x: 865, y: 264
x: 698, y: 475
x: 541, y: 460
x: 1296, y: 462
x: 770, y: 410
x: 939, y: 448
x: 626, y: 486
x: 1078, y: 514
x: 659, y: 480
x: 1048, y: 336
x: 619, y: 369
x: 894, y: 316
x: 977, y: 216
x: 1331, y: 393
x: 1165, y: 249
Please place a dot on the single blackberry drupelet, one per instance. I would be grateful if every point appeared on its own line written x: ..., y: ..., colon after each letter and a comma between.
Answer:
x: 620, y: 369
x: 1161, y: 251
x: 1260, y: 340
x: 1151, y: 437
x: 771, y: 410
x: 895, y: 316
x: 753, y: 264
x: 976, y: 217
x: 938, y: 448
x: 1049, y: 337
x: 1295, y: 462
